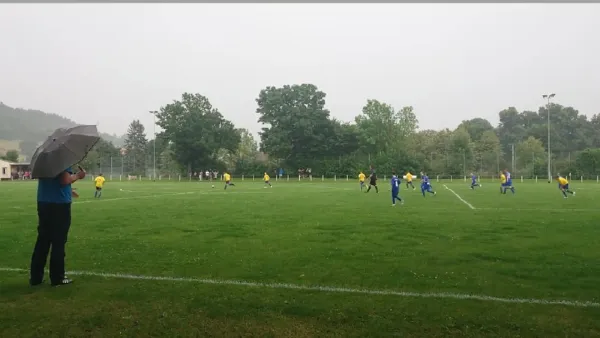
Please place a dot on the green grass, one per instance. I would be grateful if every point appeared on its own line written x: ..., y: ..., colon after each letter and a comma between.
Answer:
x: 533, y: 245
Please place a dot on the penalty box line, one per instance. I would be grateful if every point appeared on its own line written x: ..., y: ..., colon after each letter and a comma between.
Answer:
x: 460, y: 198
x: 330, y: 289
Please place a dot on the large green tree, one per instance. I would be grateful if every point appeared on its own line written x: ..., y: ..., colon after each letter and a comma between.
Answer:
x: 136, y: 145
x: 11, y: 156
x: 531, y: 156
x: 384, y: 130
x: 460, y: 152
x: 100, y: 157
x: 297, y: 125
x: 476, y: 127
x: 487, y: 152
x: 198, y: 132
x: 588, y: 162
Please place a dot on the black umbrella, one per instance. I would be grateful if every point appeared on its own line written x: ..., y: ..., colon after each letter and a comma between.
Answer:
x: 63, y: 149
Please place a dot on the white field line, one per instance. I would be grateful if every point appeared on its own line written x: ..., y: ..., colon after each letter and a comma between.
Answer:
x: 220, y: 193
x: 540, y: 209
x: 460, y: 198
x: 130, y: 197
x: 330, y: 289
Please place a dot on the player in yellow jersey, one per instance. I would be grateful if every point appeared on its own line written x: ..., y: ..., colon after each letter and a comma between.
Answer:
x: 267, y: 180
x: 409, y: 178
x: 227, y: 179
x: 361, y: 180
x: 563, y: 185
x: 502, y: 183
x: 99, y: 182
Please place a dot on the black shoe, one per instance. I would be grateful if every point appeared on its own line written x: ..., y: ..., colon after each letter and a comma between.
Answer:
x: 36, y: 283
x: 64, y: 281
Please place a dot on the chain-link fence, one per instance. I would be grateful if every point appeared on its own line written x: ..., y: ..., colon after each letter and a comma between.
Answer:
x: 443, y: 165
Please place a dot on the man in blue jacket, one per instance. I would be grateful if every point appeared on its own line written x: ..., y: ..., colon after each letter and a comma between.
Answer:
x: 54, y: 198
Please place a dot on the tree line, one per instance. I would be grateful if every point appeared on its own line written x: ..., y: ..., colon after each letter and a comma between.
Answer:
x: 299, y: 132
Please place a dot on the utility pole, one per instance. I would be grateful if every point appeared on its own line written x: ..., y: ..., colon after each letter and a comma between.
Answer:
x: 154, y: 144
x: 548, y: 97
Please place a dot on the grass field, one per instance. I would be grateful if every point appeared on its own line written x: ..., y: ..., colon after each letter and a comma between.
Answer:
x: 181, y: 259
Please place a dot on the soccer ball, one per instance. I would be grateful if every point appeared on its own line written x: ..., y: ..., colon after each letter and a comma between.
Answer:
x: 213, y: 185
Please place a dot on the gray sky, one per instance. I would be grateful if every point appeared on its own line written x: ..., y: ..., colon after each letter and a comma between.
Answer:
x: 115, y: 62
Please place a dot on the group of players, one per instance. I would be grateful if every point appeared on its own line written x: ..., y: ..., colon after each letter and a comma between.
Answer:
x: 426, y: 187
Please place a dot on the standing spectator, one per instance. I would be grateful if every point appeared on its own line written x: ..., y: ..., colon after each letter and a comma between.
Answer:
x: 54, y: 197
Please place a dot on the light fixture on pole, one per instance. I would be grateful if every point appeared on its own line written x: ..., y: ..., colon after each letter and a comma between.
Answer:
x: 154, y: 144
x: 548, y: 97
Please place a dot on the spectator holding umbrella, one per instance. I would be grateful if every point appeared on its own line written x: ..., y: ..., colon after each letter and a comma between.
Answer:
x: 51, y: 164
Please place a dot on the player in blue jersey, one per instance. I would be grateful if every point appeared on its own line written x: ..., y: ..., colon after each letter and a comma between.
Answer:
x: 395, y: 189
x: 426, y: 185
x: 474, y: 182
x: 508, y: 184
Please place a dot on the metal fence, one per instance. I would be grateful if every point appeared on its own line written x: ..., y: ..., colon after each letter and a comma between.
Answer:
x: 446, y: 166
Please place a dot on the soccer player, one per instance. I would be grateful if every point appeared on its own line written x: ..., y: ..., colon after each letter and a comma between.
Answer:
x: 563, y: 185
x: 409, y: 178
x: 474, y: 182
x: 372, y: 181
x: 395, y: 189
x: 508, y: 183
x: 426, y: 185
x: 267, y: 180
x: 99, y: 181
x: 361, y: 180
x: 227, y: 178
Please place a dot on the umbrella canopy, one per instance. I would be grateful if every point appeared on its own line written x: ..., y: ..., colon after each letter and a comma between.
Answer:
x: 63, y: 149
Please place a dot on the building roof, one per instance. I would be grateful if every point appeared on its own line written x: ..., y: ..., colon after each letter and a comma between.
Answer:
x: 15, y: 163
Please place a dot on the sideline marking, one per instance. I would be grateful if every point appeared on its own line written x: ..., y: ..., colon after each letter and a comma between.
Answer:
x: 538, y: 209
x: 331, y: 289
x: 132, y: 197
x: 460, y: 198
x: 216, y: 192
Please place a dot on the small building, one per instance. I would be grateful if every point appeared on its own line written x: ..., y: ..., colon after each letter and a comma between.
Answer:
x: 11, y: 170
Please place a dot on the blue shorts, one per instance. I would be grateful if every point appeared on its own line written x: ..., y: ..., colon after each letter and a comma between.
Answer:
x: 565, y: 187
x: 507, y: 184
x: 266, y: 182
x: 227, y: 182
x: 395, y: 192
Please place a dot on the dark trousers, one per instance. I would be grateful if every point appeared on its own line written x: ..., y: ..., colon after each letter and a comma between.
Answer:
x: 53, y: 227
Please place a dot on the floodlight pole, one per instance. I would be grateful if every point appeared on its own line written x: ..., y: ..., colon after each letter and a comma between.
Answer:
x: 548, y: 97
x: 154, y: 144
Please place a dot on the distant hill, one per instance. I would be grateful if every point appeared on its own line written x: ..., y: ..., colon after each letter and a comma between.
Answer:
x: 28, y: 128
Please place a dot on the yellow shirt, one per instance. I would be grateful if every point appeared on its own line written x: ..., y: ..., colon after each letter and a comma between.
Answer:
x: 503, y: 178
x: 361, y: 177
x: 266, y: 178
x: 409, y: 177
x: 227, y: 177
x: 563, y: 181
x: 99, y: 181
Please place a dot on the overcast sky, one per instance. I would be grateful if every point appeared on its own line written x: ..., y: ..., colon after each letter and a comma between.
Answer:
x: 115, y: 62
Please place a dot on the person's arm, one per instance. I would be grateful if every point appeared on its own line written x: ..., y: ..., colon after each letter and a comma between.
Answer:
x: 66, y: 178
